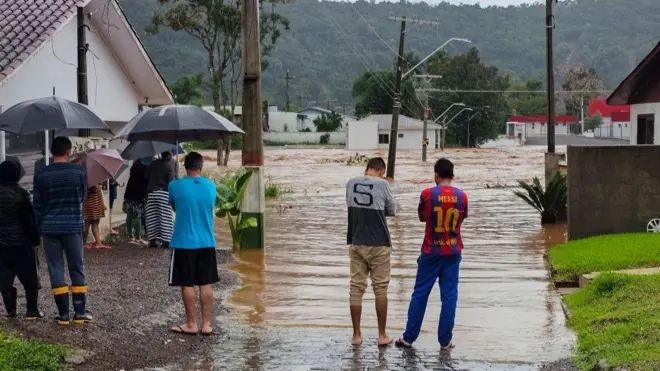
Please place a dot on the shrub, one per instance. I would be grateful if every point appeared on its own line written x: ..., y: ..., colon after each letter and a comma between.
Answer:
x: 549, y: 202
x: 325, y: 138
x: 230, y: 191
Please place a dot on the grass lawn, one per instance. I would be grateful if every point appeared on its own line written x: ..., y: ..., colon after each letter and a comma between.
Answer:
x: 605, y: 253
x: 617, y: 319
x: 18, y: 354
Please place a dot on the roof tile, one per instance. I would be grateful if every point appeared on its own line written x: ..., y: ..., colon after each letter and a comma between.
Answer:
x: 25, y: 25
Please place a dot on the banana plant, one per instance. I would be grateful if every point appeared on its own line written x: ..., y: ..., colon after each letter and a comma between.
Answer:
x: 549, y: 202
x: 230, y: 190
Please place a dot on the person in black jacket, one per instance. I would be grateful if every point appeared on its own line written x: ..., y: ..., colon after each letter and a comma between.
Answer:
x: 18, y: 239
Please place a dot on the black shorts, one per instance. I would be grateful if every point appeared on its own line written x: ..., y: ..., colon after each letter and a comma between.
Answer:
x: 193, y: 267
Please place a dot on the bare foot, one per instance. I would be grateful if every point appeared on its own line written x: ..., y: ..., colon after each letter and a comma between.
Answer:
x: 384, y: 341
x: 185, y: 330
x: 114, y: 232
x: 207, y: 330
x: 357, y: 340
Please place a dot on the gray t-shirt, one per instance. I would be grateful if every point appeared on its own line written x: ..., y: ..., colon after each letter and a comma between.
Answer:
x: 369, y: 202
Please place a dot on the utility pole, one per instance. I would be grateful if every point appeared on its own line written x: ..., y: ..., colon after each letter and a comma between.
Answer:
x: 582, y: 114
x: 425, y: 135
x: 346, y: 105
x: 549, y: 26
x: 287, y: 78
x: 301, y: 97
x: 253, y: 151
x: 328, y: 101
x: 391, y: 156
x: 82, y: 65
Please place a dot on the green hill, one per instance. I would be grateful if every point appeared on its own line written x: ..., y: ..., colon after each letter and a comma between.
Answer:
x: 330, y: 44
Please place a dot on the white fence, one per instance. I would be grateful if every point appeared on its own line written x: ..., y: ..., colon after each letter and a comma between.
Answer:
x: 304, y: 138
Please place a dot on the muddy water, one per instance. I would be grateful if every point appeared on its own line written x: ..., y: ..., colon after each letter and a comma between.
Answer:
x: 507, y: 311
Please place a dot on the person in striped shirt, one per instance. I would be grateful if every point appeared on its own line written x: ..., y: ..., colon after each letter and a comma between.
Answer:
x: 59, y: 192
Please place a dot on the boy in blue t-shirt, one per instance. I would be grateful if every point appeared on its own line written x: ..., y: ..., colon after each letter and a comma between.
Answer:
x: 193, y: 260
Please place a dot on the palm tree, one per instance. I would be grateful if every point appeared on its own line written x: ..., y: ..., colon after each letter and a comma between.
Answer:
x: 549, y: 202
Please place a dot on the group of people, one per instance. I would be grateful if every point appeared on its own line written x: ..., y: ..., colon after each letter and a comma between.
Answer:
x: 54, y: 217
x: 443, y: 209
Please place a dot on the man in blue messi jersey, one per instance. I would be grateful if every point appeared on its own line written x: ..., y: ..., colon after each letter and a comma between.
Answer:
x: 193, y: 261
x: 443, y: 208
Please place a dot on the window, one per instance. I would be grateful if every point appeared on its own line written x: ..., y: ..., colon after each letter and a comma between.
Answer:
x: 383, y: 138
x: 400, y: 135
x: 645, y: 126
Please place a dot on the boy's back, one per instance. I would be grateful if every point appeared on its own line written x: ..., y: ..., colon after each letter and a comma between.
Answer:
x: 59, y: 192
x: 369, y: 201
x: 193, y: 199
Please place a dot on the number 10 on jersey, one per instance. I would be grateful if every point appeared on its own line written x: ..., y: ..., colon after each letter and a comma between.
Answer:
x: 446, y: 220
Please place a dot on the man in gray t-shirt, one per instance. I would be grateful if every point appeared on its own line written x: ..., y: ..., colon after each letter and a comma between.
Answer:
x: 369, y: 202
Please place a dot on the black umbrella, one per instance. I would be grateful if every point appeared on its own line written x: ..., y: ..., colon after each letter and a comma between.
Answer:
x: 176, y: 124
x: 144, y: 148
x: 50, y: 113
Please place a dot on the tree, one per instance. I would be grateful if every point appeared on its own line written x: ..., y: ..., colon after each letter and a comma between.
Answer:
x: 187, y: 89
x: 328, y: 122
x: 216, y: 24
x: 590, y: 123
x: 528, y: 104
x: 373, y: 92
x: 578, y: 78
x: 468, y: 72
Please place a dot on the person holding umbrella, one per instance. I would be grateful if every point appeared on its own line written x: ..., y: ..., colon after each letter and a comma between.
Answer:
x: 18, y: 240
x: 59, y: 192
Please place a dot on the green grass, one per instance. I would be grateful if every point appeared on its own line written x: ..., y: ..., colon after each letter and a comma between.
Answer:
x: 18, y: 354
x: 617, y: 318
x: 605, y: 253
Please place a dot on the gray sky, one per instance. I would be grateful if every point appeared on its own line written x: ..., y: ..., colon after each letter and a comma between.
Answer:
x: 486, y: 2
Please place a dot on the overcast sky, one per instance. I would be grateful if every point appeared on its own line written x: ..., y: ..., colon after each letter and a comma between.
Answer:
x: 485, y: 2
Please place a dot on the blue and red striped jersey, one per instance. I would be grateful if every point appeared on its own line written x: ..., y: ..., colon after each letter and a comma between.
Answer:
x: 444, y: 208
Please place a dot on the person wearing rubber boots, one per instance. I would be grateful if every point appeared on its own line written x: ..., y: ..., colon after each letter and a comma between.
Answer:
x: 18, y: 241
x: 59, y: 192
x: 443, y: 208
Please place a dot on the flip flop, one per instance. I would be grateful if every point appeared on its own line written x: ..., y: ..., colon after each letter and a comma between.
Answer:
x: 386, y: 344
x: 179, y: 330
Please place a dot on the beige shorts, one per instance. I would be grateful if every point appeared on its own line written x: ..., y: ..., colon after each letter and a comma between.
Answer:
x: 369, y: 262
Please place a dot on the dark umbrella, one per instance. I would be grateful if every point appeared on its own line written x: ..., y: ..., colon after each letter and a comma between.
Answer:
x: 50, y: 113
x: 143, y: 148
x: 176, y: 124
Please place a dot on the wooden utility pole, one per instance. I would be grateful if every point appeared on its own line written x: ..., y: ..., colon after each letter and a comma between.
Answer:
x: 391, y: 156
x: 253, y: 150
x: 287, y: 78
x: 549, y: 25
x: 328, y: 101
x: 300, y: 99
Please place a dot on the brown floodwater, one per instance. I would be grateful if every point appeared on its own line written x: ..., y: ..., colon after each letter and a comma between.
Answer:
x: 507, y: 309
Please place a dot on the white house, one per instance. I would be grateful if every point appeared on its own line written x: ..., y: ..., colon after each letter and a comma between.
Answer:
x: 373, y: 132
x: 615, y: 120
x: 527, y: 126
x: 641, y: 90
x: 39, y: 54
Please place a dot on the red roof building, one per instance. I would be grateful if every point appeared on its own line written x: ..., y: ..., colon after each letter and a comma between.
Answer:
x: 601, y: 108
x: 542, y: 119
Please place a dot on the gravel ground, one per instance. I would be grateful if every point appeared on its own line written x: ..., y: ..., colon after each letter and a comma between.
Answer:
x: 562, y: 365
x: 133, y: 308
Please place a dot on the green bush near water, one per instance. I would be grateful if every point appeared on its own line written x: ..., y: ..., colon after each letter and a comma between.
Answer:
x: 616, y: 318
x: 22, y: 355
x: 605, y: 253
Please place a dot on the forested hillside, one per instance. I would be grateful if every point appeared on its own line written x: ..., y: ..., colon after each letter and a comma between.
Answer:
x: 329, y: 43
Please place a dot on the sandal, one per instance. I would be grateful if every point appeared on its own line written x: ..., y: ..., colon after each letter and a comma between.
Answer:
x: 179, y: 330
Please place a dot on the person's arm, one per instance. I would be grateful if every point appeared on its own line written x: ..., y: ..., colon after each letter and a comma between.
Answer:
x: 390, y: 205
x: 29, y: 221
x: 421, y: 209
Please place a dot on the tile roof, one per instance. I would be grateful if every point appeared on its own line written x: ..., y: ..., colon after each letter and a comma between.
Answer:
x: 25, y: 25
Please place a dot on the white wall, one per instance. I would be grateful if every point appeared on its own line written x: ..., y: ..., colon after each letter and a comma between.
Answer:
x: 410, y: 139
x: 620, y: 130
x: 110, y: 91
x: 643, y: 109
x: 282, y: 122
x: 304, y: 138
x: 362, y: 135
x: 535, y: 129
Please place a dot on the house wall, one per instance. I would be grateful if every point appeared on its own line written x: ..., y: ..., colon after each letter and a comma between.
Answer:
x: 412, y: 139
x: 620, y: 130
x: 605, y: 194
x: 304, y: 138
x: 362, y: 135
x: 644, y: 109
x: 282, y: 122
x: 533, y: 129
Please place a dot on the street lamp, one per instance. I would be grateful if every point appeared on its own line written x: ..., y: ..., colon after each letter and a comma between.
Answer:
x: 444, y: 126
x: 432, y: 53
x: 468, y: 123
x: 447, y: 110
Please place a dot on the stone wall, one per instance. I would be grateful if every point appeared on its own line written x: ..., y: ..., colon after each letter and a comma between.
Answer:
x: 614, y: 189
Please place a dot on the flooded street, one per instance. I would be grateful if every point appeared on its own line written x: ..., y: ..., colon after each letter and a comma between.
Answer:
x: 294, y: 300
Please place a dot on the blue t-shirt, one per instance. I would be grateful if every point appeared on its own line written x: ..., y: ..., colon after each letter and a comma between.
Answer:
x: 193, y: 200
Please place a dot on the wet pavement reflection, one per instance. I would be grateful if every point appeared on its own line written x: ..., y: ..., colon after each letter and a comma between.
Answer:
x: 292, y: 308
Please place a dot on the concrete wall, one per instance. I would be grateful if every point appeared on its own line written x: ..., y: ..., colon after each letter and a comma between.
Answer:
x: 303, y: 138
x: 619, y: 130
x: 362, y: 135
x: 612, y: 189
x: 410, y: 139
x: 532, y: 129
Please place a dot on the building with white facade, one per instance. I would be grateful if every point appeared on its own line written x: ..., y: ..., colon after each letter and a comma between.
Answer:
x: 373, y: 132
x: 615, y: 120
x: 528, y: 126
x: 641, y: 90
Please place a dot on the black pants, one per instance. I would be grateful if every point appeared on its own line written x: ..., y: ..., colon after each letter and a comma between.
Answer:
x: 18, y: 262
